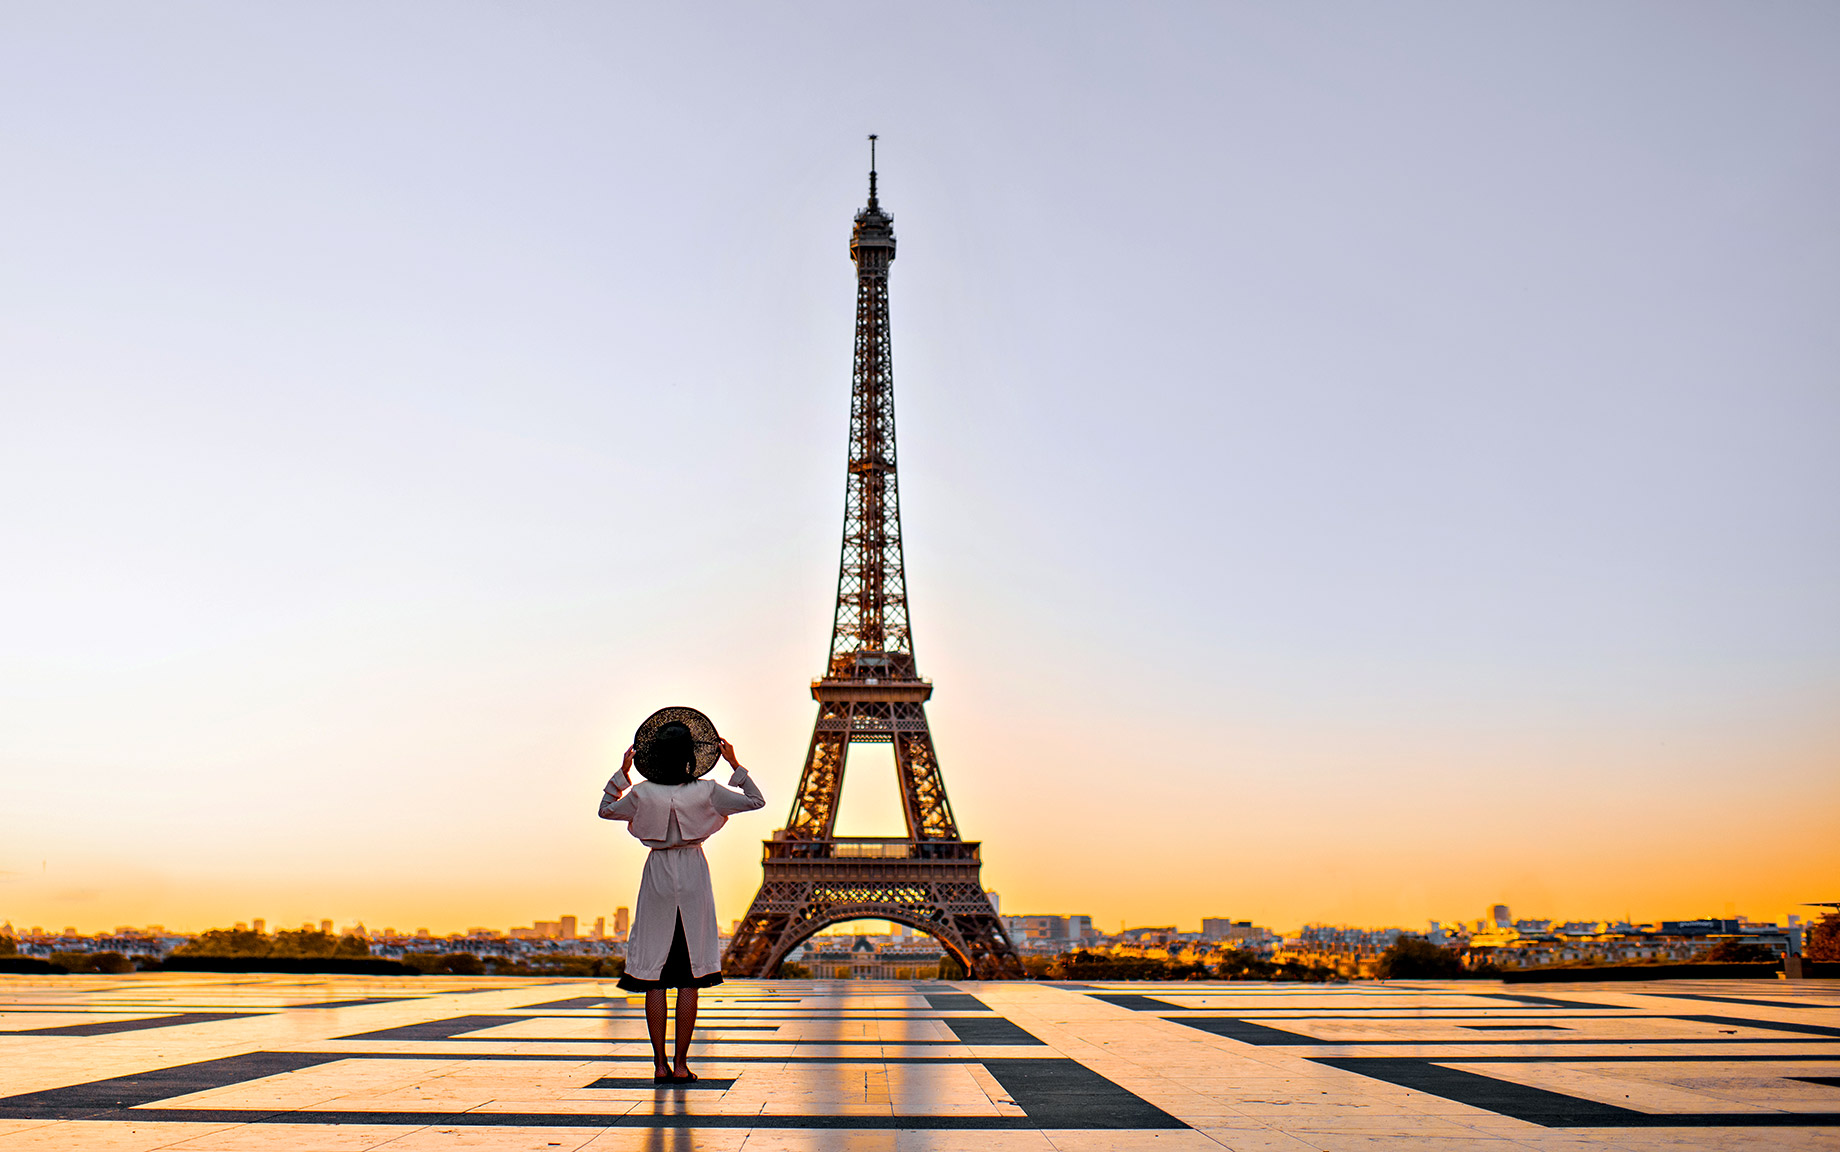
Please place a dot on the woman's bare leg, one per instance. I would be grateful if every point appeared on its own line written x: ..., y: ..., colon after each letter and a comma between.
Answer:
x: 686, y: 1024
x: 654, y: 1024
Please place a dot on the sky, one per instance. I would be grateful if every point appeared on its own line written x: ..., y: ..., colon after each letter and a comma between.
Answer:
x: 1359, y: 463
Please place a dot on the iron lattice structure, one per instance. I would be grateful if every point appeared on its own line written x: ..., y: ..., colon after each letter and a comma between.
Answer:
x: 871, y: 693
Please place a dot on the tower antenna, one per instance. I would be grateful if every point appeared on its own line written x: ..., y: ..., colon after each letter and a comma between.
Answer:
x: 872, y: 139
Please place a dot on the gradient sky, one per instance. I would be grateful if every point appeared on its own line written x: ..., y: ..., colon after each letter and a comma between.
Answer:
x: 1360, y: 463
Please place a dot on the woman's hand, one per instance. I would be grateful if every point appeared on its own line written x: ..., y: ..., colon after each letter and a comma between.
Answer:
x: 728, y: 754
x: 621, y: 780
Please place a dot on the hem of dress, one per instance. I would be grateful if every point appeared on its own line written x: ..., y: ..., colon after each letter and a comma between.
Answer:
x: 635, y: 984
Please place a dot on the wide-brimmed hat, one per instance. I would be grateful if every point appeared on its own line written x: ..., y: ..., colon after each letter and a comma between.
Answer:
x: 702, y: 734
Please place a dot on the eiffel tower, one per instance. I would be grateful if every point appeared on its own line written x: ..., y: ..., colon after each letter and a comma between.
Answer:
x: 872, y: 694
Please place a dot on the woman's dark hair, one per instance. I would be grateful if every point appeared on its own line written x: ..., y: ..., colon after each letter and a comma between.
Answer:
x: 671, y: 756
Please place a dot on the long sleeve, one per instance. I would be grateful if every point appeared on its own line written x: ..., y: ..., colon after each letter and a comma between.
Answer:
x: 614, y: 806
x: 749, y: 798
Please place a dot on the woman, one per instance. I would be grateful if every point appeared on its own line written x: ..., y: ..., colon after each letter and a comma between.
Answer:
x: 673, y: 943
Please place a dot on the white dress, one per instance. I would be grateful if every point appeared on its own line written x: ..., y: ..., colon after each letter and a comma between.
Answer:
x: 673, y: 821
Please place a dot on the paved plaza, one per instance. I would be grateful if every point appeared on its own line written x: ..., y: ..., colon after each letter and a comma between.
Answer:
x: 226, y: 1062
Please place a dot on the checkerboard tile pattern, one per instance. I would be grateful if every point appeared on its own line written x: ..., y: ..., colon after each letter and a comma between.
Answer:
x: 198, y: 1061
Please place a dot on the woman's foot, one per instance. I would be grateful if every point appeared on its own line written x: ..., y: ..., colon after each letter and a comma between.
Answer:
x: 683, y: 1076
x: 662, y: 1074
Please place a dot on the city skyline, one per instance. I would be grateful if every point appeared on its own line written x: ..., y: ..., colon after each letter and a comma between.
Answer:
x: 610, y: 926
x: 1357, y: 470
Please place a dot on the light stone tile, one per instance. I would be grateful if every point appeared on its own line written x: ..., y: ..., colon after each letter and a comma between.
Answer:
x: 101, y: 1136
x: 1260, y: 1139
x: 439, y: 1139
x: 8, y: 1127
x: 1174, y: 1140
x: 667, y: 1140
x: 1358, y: 1142
x: 836, y: 1140
x: 293, y: 1138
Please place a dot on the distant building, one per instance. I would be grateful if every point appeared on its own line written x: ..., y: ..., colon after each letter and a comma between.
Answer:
x: 844, y: 958
x: 1498, y: 916
x: 1219, y: 930
x: 326, y: 927
x: 1048, y: 934
x: 600, y: 928
x: 565, y: 928
x: 1349, y: 951
x: 622, y: 922
x: 1162, y: 935
x: 1617, y: 942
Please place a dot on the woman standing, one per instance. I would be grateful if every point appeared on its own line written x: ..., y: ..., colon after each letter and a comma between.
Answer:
x: 673, y: 942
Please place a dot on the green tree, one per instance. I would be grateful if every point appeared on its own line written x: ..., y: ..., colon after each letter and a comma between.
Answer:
x: 303, y: 943
x: 111, y: 962
x: 1416, y: 958
x: 1823, y: 939
x: 1243, y: 964
x: 448, y: 964
x: 8, y: 946
x: 226, y: 942
x: 1083, y: 965
x: 306, y: 943
x: 1738, y: 952
x: 790, y: 970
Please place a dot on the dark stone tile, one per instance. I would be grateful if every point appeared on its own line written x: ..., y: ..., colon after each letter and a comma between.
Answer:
x: 436, y: 1029
x: 581, y: 1120
x: 1741, y: 1000
x: 1555, y: 1109
x: 1503, y: 1097
x: 704, y: 1085
x: 1060, y: 1093
x: 1135, y: 1002
x: 1245, y: 1031
x: 1771, y: 1025
x: 1537, y: 1001
x: 108, y: 1027
x: 98, y: 1097
x: 988, y: 1030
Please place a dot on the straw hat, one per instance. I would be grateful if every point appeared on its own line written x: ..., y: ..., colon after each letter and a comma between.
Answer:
x: 702, y: 734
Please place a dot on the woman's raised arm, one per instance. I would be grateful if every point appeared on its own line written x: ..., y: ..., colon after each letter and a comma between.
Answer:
x: 613, y: 805
x: 749, y: 798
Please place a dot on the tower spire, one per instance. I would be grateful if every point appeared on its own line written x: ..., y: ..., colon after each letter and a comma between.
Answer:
x: 872, y: 202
